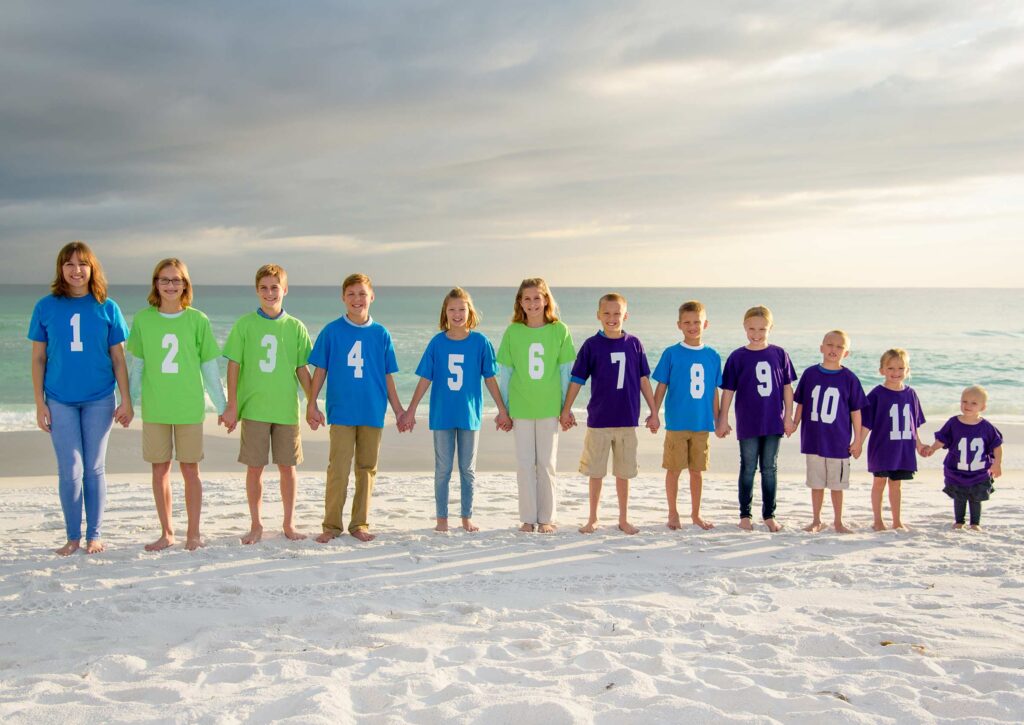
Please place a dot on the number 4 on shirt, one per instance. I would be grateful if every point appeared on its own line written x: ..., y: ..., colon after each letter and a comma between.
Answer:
x: 355, y: 358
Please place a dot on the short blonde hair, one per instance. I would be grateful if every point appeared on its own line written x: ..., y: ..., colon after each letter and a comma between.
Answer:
x: 186, y: 288
x: 550, y: 309
x: 840, y: 333
x: 357, y: 278
x: 892, y: 352
x: 611, y: 297
x: 472, y: 316
x: 694, y: 306
x: 976, y: 390
x: 759, y: 311
x: 272, y: 270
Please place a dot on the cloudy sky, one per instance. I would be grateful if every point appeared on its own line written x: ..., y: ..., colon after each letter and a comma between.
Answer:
x: 761, y: 143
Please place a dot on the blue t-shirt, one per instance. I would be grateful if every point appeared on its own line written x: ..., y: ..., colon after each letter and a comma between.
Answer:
x: 78, y: 332
x: 358, y: 359
x: 692, y: 374
x: 615, y: 367
x: 456, y: 369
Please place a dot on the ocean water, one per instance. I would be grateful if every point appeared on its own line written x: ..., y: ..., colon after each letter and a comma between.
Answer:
x: 955, y: 337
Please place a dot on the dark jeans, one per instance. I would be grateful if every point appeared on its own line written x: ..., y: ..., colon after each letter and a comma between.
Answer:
x: 763, y: 450
x: 960, y: 509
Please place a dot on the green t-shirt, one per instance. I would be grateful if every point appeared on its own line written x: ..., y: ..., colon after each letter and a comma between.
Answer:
x: 268, y: 353
x: 535, y: 355
x: 173, y: 350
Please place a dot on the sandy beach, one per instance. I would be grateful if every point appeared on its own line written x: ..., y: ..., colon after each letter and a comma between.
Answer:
x: 502, y: 627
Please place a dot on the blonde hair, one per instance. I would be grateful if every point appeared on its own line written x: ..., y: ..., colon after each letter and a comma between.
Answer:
x: 97, y: 280
x: 694, y: 306
x: 550, y: 309
x: 611, y: 297
x: 759, y: 311
x: 186, y: 288
x: 892, y: 352
x: 272, y: 270
x: 977, y: 390
x: 840, y: 333
x: 357, y: 278
x: 472, y: 316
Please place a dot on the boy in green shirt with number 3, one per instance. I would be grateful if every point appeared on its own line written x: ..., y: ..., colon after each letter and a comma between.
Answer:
x: 267, y: 352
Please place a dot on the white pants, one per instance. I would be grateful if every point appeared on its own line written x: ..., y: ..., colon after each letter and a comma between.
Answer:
x: 536, y: 450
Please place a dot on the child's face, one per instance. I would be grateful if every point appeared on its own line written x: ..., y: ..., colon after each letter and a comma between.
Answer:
x: 971, y: 404
x: 76, y: 275
x: 358, y: 298
x: 533, y: 302
x: 612, y: 314
x: 692, y: 325
x: 833, y: 349
x: 170, y: 283
x: 894, y: 370
x: 271, y: 292
x: 457, y: 312
x: 757, y: 329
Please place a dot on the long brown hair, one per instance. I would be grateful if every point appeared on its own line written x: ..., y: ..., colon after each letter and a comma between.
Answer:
x: 97, y: 280
x: 472, y: 316
x: 186, y: 290
x: 550, y: 309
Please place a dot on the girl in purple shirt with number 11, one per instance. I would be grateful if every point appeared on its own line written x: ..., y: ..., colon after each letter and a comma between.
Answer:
x: 760, y: 377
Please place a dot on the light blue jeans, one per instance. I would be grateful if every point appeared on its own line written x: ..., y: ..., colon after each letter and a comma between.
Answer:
x: 445, y: 443
x: 79, y: 433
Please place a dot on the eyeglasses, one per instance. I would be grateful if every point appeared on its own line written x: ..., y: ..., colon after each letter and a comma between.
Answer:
x: 170, y: 282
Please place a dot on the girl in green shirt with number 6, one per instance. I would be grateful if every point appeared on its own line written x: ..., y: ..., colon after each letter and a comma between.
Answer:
x: 175, y: 356
x: 534, y: 361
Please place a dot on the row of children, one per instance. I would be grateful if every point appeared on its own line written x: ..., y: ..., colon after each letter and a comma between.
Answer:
x: 534, y: 378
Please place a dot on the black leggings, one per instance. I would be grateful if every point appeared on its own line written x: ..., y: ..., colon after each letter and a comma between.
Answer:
x: 960, y: 508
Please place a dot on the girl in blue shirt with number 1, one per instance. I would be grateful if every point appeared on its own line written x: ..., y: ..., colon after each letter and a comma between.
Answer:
x: 458, y: 359
x: 77, y: 336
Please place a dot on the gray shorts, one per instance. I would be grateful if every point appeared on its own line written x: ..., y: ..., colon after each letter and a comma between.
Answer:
x: 830, y: 473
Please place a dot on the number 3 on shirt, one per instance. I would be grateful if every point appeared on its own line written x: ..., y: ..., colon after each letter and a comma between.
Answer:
x: 170, y: 344
x: 269, y: 342
x: 536, y: 360
x: 355, y: 359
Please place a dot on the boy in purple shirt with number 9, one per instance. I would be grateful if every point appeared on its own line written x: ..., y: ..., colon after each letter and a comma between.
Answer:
x: 616, y: 364
x: 829, y: 399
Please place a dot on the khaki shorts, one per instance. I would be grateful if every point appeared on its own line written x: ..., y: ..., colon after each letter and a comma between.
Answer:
x: 621, y: 442
x: 160, y: 440
x: 258, y: 438
x: 686, y: 449
x: 830, y: 473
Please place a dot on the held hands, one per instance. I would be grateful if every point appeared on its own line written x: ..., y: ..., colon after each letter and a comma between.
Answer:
x: 124, y: 413
x: 723, y: 429
x: 789, y: 426
x: 314, y: 417
x: 855, y: 449
x: 229, y: 418
x: 406, y: 421
x: 567, y: 419
x: 653, y: 423
x: 43, y: 417
x: 503, y: 422
x: 923, y: 450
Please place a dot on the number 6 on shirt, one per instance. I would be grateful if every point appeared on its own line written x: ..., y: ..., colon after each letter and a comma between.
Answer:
x: 536, y: 358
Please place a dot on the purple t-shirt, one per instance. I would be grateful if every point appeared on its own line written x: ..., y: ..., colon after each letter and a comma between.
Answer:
x: 758, y: 377
x: 828, y: 398
x: 970, y: 451
x: 893, y: 417
x: 615, y: 367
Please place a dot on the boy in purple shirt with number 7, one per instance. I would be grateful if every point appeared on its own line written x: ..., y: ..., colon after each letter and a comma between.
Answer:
x: 616, y: 363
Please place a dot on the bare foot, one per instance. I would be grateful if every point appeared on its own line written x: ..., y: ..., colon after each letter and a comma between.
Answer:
x: 842, y: 528
x: 813, y: 527
x: 194, y: 542
x: 363, y: 535
x: 958, y: 526
x: 546, y: 529
x: 898, y: 526
x: 673, y: 523
x: 442, y: 526
x: 628, y: 528
x: 469, y: 526
x: 164, y: 542
x: 527, y: 528
x: 589, y: 527
x: 293, y: 535
x: 95, y: 547
x: 68, y: 549
x: 325, y: 537
x: 704, y: 524
x: 254, y: 536
x: 975, y: 527
x: 879, y: 526
x: 746, y: 525
x: 773, y: 525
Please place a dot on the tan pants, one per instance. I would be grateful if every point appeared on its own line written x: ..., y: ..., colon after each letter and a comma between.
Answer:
x: 536, y: 450
x: 361, y: 442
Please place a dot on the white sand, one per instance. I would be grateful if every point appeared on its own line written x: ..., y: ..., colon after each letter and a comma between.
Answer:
x: 501, y: 627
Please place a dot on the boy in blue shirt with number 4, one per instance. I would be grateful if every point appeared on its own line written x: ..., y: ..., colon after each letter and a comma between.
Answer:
x: 356, y: 357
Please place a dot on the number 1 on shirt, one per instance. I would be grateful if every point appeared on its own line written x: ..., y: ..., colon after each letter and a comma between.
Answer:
x: 355, y: 358
x: 76, y: 333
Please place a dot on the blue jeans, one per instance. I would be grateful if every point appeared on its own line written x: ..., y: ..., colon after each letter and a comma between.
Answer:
x: 79, y: 433
x: 763, y: 449
x: 445, y: 442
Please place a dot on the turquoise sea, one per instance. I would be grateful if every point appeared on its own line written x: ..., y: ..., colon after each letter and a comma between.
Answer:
x: 955, y: 337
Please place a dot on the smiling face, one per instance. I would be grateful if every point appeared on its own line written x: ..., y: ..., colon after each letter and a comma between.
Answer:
x: 612, y: 314
x: 457, y: 312
x: 533, y: 302
x: 271, y: 293
x: 357, y: 298
x: 757, y: 329
x: 833, y: 350
x: 76, y: 275
x: 170, y: 284
x: 692, y: 325
x: 895, y: 371
x: 972, y: 404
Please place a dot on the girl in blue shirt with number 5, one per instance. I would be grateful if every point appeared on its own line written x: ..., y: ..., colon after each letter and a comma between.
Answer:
x: 458, y: 359
x: 77, y: 336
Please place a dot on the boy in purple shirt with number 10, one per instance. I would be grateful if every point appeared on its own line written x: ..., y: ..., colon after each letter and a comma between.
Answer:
x: 829, y: 399
x: 617, y: 366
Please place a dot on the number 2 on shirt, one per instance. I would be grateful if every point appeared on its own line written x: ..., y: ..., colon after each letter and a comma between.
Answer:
x: 763, y: 373
x: 978, y: 446
x: 355, y: 358
x: 170, y: 344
